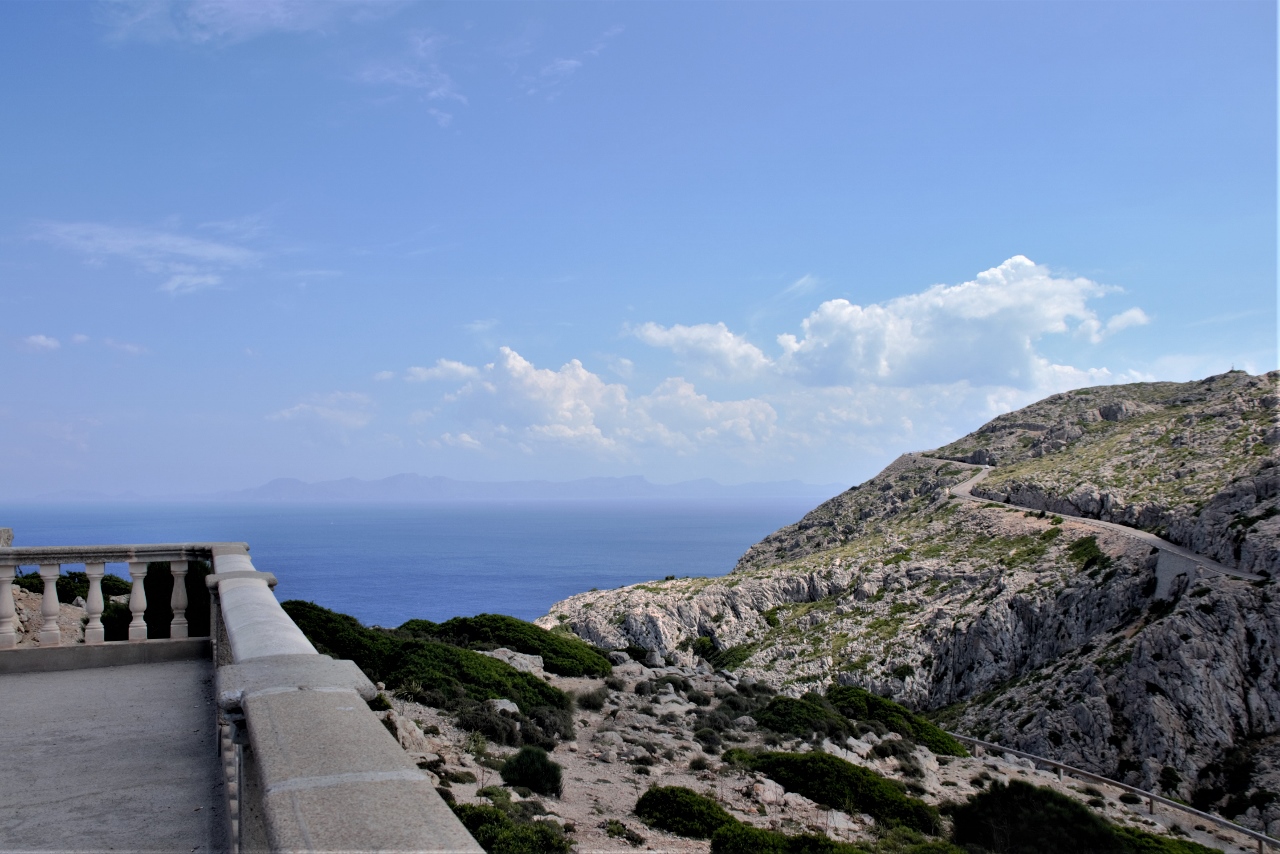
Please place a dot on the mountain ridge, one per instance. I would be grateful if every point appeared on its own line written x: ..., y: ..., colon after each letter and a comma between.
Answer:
x: 1027, y: 626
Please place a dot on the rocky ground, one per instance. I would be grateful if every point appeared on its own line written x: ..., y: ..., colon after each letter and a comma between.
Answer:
x: 1027, y: 627
x: 635, y: 741
x: 30, y: 620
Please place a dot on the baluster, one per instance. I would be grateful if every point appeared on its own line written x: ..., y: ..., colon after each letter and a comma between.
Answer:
x: 8, y: 635
x: 50, y: 634
x: 178, y: 628
x: 93, y: 631
x: 137, y: 602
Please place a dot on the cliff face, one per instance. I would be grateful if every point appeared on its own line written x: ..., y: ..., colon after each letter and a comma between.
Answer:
x: 1029, y: 627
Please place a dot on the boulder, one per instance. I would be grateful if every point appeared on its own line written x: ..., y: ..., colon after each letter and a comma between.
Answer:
x: 504, y: 707
x: 519, y: 660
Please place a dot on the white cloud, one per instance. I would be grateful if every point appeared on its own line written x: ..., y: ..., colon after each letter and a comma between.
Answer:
x: 514, y: 404
x: 858, y: 382
x: 552, y: 75
x: 347, y: 410
x: 126, y: 347
x: 383, y: 376
x: 711, y: 346
x: 430, y: 82
x: 444, y: 369
x: 982, y: 332
x: 1132, y: 317
x: 79, y: 339
x: 188, y: 263
x: 186, y: 283
x: 802, y: 285
x: 41, y: 343
x: 231, y: 21
x: 462, y: 440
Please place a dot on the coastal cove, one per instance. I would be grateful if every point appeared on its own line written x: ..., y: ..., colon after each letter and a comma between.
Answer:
x: 388, y: 563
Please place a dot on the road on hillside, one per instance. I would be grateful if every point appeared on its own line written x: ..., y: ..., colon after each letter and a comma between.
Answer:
x: 965, y: 491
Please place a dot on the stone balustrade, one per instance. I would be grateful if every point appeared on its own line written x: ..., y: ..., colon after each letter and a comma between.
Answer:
x: 51, y: 560
x: 307, y: 766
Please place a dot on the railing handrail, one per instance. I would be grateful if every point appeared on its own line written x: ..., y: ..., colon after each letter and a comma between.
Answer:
x: 1151, y: 797
x: 128, y: 553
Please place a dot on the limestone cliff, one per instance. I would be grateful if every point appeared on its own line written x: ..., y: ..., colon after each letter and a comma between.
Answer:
x: 1030, y: 627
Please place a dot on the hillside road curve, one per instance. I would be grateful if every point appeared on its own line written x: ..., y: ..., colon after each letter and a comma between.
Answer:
x: 964, y: 491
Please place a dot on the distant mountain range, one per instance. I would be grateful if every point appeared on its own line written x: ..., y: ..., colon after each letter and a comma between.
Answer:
x: 408, y: 488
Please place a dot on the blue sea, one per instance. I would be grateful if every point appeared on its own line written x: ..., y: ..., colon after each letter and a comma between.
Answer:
x: 385, y: 564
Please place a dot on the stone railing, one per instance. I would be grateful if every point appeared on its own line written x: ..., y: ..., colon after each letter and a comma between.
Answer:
x: 307, y: 765
x: 51, y: 560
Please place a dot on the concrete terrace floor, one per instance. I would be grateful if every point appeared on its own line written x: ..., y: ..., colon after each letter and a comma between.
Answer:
x: 111, y: 759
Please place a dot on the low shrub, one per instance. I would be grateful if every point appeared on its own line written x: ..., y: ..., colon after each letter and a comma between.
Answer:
x: 810, y: 713
x: 532, y: 767
x: 1018, y: 817
x: 615, y: 829
x: 411, y: 664
x: 836, y: 783
x: 593, y: 700
x: 498, y: 833
x: 496, y: 727
x: 860, y: 704
x: 708, y: 738
x: 682, y: 811
x: 739, y: 838
x: 561, y: 654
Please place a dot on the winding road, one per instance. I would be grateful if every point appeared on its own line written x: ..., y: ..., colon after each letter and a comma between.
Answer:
x: 964, y: 491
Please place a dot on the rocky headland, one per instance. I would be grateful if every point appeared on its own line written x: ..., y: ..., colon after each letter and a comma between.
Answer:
x: 1026, y: 625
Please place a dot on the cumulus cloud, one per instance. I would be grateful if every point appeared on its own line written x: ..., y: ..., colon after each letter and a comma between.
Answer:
x: 857, y: 380
x: 347, y: 410
x: 41, y: 343
x: 188, y: 263
x: 444, y: 369
x: 711, y: 346
x: 383, y: 376
x: 513, y: 403
x: 982, y: 332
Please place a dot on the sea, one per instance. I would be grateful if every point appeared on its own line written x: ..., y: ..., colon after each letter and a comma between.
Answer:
x: 385, y: 564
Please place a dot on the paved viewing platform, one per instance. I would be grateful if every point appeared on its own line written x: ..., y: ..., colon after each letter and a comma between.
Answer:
x: 206, y: 722
x: 114, y: 758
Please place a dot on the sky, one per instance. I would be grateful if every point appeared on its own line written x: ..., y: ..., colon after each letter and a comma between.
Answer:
x: 504, y: 241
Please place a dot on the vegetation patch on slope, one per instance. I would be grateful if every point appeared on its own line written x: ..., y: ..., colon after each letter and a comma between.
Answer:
x: 436, y: 673
x: 562, y: 654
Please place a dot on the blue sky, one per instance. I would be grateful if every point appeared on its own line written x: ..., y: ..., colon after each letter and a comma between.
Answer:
x: 746, y: 241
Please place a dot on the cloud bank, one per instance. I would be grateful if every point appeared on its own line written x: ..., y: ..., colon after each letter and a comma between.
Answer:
x: 850, y: 381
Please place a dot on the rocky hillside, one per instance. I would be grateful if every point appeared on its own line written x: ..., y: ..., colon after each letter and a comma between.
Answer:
x: 1028, y: 626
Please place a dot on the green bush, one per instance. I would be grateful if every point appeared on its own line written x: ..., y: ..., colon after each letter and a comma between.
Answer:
x: 836, y: 783
x: 1019, y: 818
x: 498, y: 833
x: 682, y: 811
x: 810, y: 713
x: 434, y: 673
x: 450, y: 670
x: 561, y: 654
x: 1141, y: 842
x: 739, y: 838
x: 342, y: 636
x: 532, y: 768
x: 860, y: 704
x: 1087, y: 555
